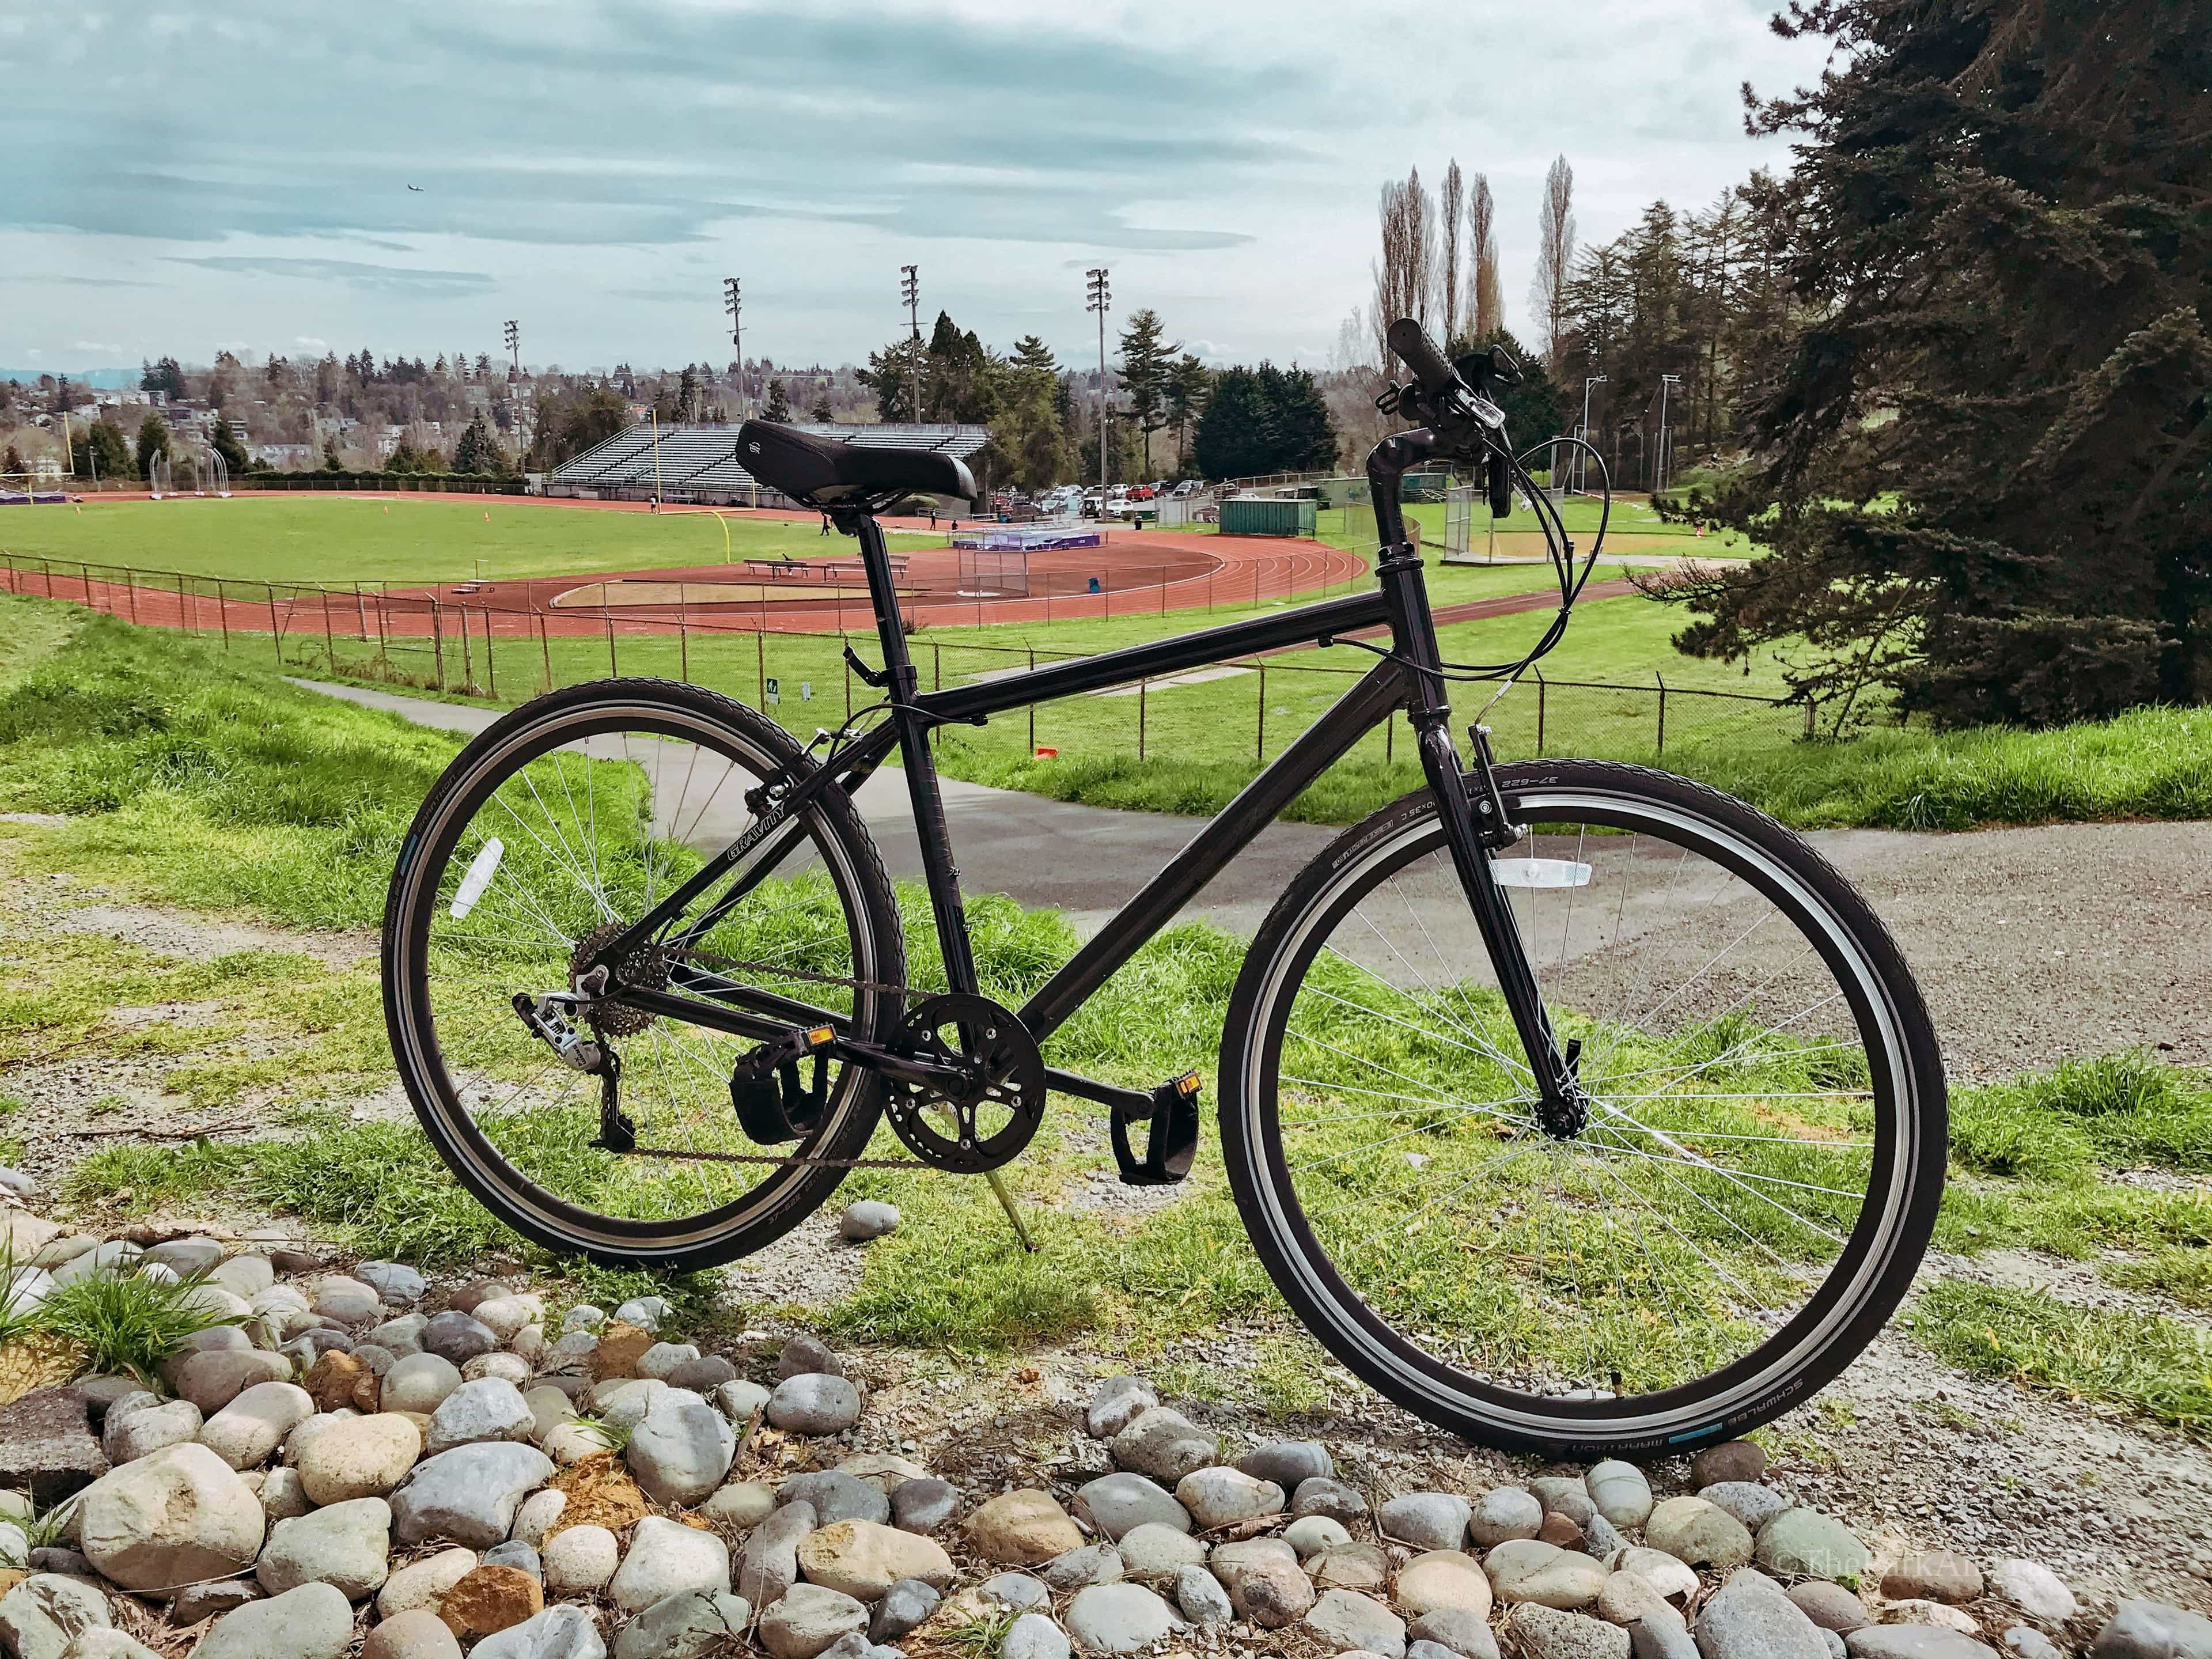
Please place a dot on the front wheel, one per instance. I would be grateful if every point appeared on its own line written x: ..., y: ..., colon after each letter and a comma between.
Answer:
x: 1761, y: 1157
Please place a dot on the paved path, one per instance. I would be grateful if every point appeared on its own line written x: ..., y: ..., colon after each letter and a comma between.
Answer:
x: 2031, y: 944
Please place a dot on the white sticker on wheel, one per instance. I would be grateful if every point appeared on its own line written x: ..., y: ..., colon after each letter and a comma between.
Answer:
x: 481, y: 870
x: 1540, y: 872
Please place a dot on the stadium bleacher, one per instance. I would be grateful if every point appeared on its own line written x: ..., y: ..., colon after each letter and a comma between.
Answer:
x: 699, y: 463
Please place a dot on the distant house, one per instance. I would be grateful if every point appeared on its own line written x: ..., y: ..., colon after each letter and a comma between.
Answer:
x: 285, y: 457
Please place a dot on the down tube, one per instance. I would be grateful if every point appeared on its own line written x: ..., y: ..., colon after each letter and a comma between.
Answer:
x: 1352, y: 716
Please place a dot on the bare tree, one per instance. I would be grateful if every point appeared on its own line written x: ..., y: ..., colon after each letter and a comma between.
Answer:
x: 1404, y: 275
x: 1486, y: 303
x: 1555, y: 257
x: 1447, y: 284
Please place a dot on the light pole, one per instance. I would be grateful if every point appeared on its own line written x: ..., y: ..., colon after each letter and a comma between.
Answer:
x: 734, y: 305
x: 1581, y: 456
x: 512, y: 336
x: 910, y: 296
x: 1101, y: 300
x: 1665, y: 448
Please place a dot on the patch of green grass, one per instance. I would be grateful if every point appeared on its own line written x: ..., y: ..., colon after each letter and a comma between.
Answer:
x: 129, y: 1322
x: 2156, y: 1368
x: 2117, y: 1110
x: 2181, y: 1272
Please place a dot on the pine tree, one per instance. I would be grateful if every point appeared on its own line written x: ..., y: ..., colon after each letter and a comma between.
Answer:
x: 153, y: 442
x: 822, y: 413
x: 1982, y: 460
x: 778, y: 408
x: 478, y: 452
x: 1147, y: 361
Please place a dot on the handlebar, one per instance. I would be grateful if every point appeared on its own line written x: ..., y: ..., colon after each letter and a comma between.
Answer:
x: 1419, y: 353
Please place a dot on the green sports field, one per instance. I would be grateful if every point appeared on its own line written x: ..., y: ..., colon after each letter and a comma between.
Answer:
x: 408, y: 541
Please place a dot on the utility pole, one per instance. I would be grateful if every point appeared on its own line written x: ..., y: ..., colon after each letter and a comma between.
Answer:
x: 1101, y: 300
x: 732, y: 304
x: 910, y: 296
x: 511, y: 334
x: 1581, y: 456
x: 1665, y: 448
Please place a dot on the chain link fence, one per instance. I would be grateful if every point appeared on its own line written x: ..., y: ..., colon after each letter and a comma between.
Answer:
x: 1246, y: 710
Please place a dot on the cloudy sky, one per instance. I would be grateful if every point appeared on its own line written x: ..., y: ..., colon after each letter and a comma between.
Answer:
x: 241, y: 176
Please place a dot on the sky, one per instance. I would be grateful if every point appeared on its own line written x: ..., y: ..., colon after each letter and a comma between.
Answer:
x: 407, y: 176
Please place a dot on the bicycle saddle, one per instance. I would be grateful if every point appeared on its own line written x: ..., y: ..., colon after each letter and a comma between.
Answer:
x: 826, y: 472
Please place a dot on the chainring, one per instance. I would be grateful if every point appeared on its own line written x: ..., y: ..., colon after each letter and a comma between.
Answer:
x: 645, y: 968
x: 985, y: 1123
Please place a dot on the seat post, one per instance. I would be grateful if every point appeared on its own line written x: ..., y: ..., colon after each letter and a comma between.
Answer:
x: 938, y: 872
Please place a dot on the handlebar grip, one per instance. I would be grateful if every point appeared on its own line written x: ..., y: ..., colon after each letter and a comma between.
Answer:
x: 1419, y: 353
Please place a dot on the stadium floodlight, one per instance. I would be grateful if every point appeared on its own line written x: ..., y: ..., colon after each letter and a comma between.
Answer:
x: 1101, y: 300
x: 1581, y: 456
x: 910, y: 297
x: 511, y: 335
x: 733, y: 303
x: 1665, y: 448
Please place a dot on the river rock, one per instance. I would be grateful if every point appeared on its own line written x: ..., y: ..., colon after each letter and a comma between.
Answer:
x: 1545, y: 1632
x: 1802, y: 1543
x: 577, y: 1560
x: 469, y: 1494
x: 420, y: 1382
x: 421, y: 1586
x: 1119, y: 1618
x: 741, y: 1401
x: 769, y: 1564
x: 1933, y: 1576
x: 808, y: 1620
x: 457, y: 1337
x: 813, y: 1403
x: 133, y: 1435
x: 398, y: 1284
x: 1201, y: 1598
x: 836, y: 1496
x: 491, y: 1598
x: 688, y: 1625
x: 41, y: 1616
x: 1015, y: 1590
x: 1350, y: 1622
x: 926, y: 1505
x: 1702, y: 1533
x: 868, y: 1218
x: 1450, y: 1630
x: 516, y: 1553
x: 563, y: 1632
x: 1114, y: 1503
x: 804, y: 1355
x: 1269, y: 1589
x: 741, y: 1505
x: 175, y: 1515
x: 1288, y: 1463
x: 1750, y: 1617
x: 507, y: 1316
x: 212, y: 1378
x: 1310, y: 1534
x: 1505, y: 1512
x: 1221, y: 1497
x: 1753, y: 1505
x: 864, y: 1558
x: 1152, y: 1551
x: 904, y: 1605
x: 1730, y: 1460
x: 1116, y: 1403
x: 247, y: 1431
x: 1330, y: 1497
x: 346, y: 1299
x: 1830, y: 1606
x: 1441, y: 1578
x: 2033, y: 1588
x: 1094, y: 1564
x: 1349, y: 1566
x: 703, y: 1375
x: 1926, y: 1642
x: 1021, y: 1528
x: 1621, y: 1492
x: 314, y: 1621
x: 348, y: 1544
x: 682, y: 1450
x: 510, y: 1368
x: 664, y: 1358
x: 402, y: 1336
x: 664, y: 1558
x: 2152, y: 1630
x: 1033, y: 1635
x: 416, y: 1635
x: 1425, y: 1520
x: 1665, y: 1573
x: 1529, y: 1570
x: 1162, y: 1442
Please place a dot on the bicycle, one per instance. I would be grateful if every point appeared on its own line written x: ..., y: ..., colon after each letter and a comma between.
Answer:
x: 1572, y: 1105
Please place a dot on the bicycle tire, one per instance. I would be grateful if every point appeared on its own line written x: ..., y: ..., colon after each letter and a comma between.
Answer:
x: 1881, y: 1259
x: 567, y: 716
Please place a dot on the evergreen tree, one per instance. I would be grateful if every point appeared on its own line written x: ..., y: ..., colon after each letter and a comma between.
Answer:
x: 1189, y: 382
x: 478, y: 452
x: 1982, y: 458
x: 1147, y: 364
x: 822, y: 413
x: 1263, y: 420
x: 101, y: 451
x: 779, y: 404
x: 153, y: 442
x: 166, y: 376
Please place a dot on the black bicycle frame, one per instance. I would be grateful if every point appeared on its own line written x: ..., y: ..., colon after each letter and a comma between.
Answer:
x: 1409, y: 676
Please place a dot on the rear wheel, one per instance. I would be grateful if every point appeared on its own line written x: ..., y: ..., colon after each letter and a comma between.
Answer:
x: 1758, y: 1170
x: 558, y: 827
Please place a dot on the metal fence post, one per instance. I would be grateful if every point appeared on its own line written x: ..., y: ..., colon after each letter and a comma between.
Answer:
x: 1033, y: 706
x: 1142, y: 685
x: 614, y: 666
x: 760, y: 663
x: 684, y: 642
x: 1662, y: 678
x: 546, y: 650
x: 468, y: 657
x: 437, y: 642
x: 1540, y: 689
x: 330, y: 638
x: 276, y: 633
x: 1260, y: 728
x: 222, y: 609
x: 491, y: 672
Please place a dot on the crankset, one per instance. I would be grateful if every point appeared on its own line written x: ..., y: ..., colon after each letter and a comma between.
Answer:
x: 983, y: 1121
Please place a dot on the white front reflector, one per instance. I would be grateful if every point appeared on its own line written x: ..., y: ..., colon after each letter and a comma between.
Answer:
x: 1540, y: 872
x: 481, y: 870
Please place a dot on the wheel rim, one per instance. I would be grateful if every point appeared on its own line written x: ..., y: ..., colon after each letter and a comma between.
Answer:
x: 1563, y: 1296
x: 600, y: 811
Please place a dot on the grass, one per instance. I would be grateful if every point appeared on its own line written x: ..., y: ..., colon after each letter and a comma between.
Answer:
x: 128, y: 1323
x: 2156, y: 1368
x: 2181, y: 1272
x: 406, y: 540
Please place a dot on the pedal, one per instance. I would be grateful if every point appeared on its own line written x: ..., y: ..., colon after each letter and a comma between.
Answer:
x: 1172, y: 1144
x: 773, y: 1106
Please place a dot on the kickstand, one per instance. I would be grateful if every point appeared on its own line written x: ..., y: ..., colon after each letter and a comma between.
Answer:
x: 997, y: 1188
